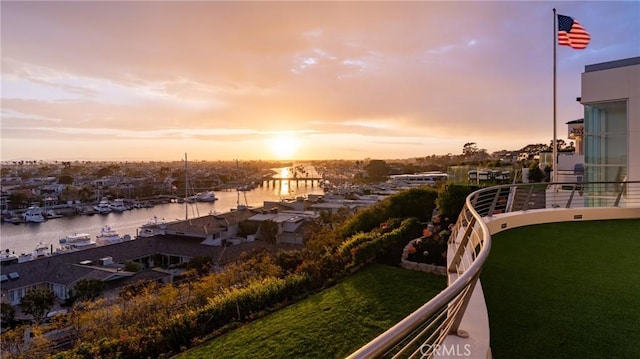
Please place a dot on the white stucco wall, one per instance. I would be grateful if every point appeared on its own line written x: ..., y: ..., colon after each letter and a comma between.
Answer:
x: 619, y: 83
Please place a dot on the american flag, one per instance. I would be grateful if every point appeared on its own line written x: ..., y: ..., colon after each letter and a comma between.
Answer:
x: 571, y: 33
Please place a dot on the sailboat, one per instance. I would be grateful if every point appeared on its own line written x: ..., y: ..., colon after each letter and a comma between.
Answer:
x: 242, y: 206
x: 187, y: 198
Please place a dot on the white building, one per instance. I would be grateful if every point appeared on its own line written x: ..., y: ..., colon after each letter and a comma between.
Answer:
x: 289, y: 224
x: 611, y: 99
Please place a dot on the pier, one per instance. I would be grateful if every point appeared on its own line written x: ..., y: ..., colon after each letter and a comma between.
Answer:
x: 271, y: 181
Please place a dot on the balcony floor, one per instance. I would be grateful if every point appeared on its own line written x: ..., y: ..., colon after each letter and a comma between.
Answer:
x: 565, y: 290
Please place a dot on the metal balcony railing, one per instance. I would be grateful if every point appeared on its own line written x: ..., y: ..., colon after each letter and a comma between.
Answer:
x: 420, y: 334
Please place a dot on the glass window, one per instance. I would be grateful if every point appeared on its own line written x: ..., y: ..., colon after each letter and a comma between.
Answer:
x: 605, y: 143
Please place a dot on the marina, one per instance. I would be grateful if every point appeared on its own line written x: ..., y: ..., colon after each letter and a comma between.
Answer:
x: 24, y: 237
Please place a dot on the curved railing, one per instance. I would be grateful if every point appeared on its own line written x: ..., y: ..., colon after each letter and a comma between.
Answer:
x: 423, y: 332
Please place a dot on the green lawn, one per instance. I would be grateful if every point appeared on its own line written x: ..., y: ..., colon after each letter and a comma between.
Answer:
x: 333, y: 323
x: 565, y: 290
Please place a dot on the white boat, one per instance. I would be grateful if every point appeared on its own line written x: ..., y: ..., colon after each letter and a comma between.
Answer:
x: 118, y: 205
x: 76, y: 241
x: 208, y: 196
x: 103, y: 207
x: 41, y: 250
x: 153, y: 228
x: 7, y: 258
x: 33, y: 214
x: 109, y: 235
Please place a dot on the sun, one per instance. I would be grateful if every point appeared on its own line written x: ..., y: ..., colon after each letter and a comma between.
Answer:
x: 284, y: 147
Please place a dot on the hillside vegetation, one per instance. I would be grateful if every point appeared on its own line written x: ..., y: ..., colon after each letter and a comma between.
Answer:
x: 151, y: 320
x: 332, y: 323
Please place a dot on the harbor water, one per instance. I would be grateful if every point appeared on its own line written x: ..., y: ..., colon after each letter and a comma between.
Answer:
x: 24, y: 237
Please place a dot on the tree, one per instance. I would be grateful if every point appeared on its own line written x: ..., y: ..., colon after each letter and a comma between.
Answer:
x: 8, y: 315
x: 65, y: 179
x: 104, y: 172
x: 85, y: 194
x: 469, y: 149
x: 377, y: 169
x: 87, y: 289
x: 38, y: 302
x: 17, y: 200
x: 452, y: 197
x: 201, y: 265
x: 269, y: 231
x: 560, y: 143
x: 535, y: 173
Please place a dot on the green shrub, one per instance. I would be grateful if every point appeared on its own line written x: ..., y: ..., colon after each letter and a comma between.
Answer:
x: 131, y: 266
x: 451, y: 198
x: 289, y: 260
x: 415, y: 202
x: 345, y: 249
x: 364, y: 249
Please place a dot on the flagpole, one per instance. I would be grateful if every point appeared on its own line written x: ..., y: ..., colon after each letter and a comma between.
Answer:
x: 554, y: 166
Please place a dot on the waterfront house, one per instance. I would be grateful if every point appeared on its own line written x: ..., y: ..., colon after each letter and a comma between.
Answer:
x: 60, y: 272
x: 212, y: 229
x: 290, y: 223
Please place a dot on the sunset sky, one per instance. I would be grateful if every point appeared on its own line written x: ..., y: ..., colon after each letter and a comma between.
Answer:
x: 153, y: 80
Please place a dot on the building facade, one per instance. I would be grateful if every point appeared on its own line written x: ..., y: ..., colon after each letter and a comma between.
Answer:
x: 611, y: 99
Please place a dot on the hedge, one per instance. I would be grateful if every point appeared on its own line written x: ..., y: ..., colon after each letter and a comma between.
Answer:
x: 185, y: 329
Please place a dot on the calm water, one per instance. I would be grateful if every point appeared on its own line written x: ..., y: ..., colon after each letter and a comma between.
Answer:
x: 24, y: 237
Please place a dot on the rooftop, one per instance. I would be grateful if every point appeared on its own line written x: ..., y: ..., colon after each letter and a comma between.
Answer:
x: 65, y: 268
x: 612, y: 64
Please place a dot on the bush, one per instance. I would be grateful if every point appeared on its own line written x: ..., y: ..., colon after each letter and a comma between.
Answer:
x: 131, y: 266
x: 535, y: 173
x: 415, y: 202
x: 430, y: 251
x: 201, y: 265
x: 288, y: 260
x: 365, y: 248
x: 451, y: 198
x: 186, y: 328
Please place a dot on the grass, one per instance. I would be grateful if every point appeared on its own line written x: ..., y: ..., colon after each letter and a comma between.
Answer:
x: 565, y: 290
x: 333, y: 323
